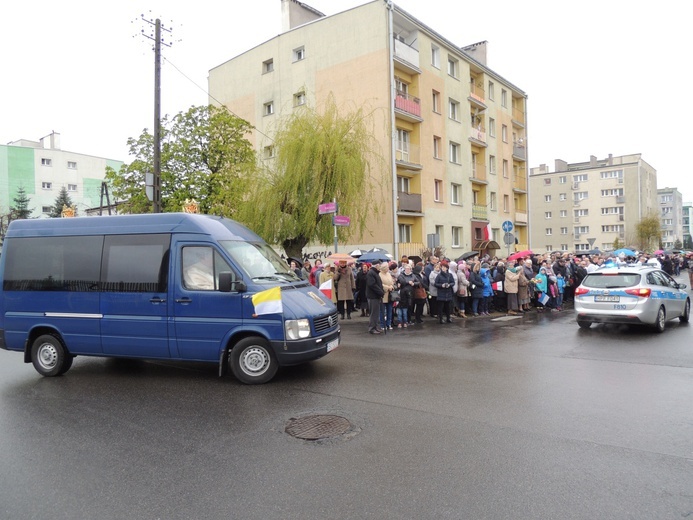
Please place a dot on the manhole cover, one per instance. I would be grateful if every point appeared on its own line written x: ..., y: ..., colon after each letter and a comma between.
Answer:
x: 314, y: 427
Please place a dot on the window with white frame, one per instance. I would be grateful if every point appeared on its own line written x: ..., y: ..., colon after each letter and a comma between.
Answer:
x: 456, y: 236
x: 267, y: 66
x: 564, y: 213
x: 547, y: 198
x: 454, y: 153
x: 437, y: 190
x: 504, y: 98
x: 504, y: 133
x: 580, y: 178
x: 435, y: 98
x: 299, y: 54
x: 453, y: 67
x: 562, y: 179
x: 506, y: 203
x: 580, y: 195
x: 439, y: 231
x: 505, y: 169
x: 581, y: 213
x: 401, y: 86
x: 454, y: 110
x: 403, y: 184
x: 617, y: 192
x: 268, y: 108
x: 403, y: 142
x: 455, y: 190
x: 268, y: 152
x: 492, y: 127
x: 581, y: 230
x: 436, y: 147
x: 491, y: 90
x: 299, y: 99
x: 562, y: 196
x: 404, y: 232
x: 492, y: 164
x: 46, y: 185
x: 46, y: 162
x: 46, y: 209
x: 71, y: 165
x: 564, y: 231
x: 71, y: 187
x: 613, y: 174
x: 492, y: 202
x: 435, y: 56
x: 549, y: 231
x: 549, y: 247
x: 547, y: 215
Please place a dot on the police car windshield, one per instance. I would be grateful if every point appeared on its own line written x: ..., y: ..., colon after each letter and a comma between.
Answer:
x: 259, y: 261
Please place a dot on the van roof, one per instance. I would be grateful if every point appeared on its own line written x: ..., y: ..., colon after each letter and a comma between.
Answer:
x: 221, y: 228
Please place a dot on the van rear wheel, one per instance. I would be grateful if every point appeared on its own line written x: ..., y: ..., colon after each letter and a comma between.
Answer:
x: 49, y: 356
x: 252, y: 361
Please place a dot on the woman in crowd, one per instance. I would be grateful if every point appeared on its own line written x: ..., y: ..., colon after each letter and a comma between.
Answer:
x: 487, y: 294
x: 420, y: 294
x: 345, y: 284
x: 462, y: 288
x: 305, y: 272
x: 315, y: 273
x: 511, y: 287
x: 541, y: 285
x: 500, y: 298
x: 407, y: 283
x: 388, y: 287
x: 361, y: 302
x: 328, y: 274
x: 476, y: 285
x: 445, y: 284
x: 433, y: 290
x: 523, y: 298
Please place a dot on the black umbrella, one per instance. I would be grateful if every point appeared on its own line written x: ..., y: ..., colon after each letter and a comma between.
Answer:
x: 594, y: 251
x: 299, y: 262
x: 467, y: 255
x: 371, y: 256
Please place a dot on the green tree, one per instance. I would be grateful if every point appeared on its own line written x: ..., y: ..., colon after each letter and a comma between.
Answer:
x: 204, y: 156
x: 61, y: 201
x: 20, y: 209
x: 678, y: 244
x: 648, y: 231
x: 319, y: 157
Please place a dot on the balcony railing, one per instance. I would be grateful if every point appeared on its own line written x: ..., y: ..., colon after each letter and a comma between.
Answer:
x: 520, y: 150
x: 520, y: 217
x: 479, y: 172
x: 406, y: 53
x: 518, y: 115
x: 476, y: 91
x: 520, y: 182
x: 409, y: 202
x: 478, y: 133
x: 410, y: 248
x: 407, y: 153
x: 408, y: 104
x: 479, y: 212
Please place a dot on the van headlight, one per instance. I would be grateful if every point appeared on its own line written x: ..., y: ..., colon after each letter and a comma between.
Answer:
x: 297, y: 329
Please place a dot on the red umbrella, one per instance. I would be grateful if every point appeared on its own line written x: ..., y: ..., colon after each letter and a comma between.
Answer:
x: 520, y: 254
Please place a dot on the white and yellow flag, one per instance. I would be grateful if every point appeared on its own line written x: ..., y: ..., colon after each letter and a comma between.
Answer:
x: 268, y: 302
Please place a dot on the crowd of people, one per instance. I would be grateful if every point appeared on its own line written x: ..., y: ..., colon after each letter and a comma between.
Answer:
x: 399, y: 294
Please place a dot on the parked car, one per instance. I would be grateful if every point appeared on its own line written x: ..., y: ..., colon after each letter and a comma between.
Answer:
x: 631, y: 294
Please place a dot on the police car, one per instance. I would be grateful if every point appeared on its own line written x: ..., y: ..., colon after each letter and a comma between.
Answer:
x: 640, y: 294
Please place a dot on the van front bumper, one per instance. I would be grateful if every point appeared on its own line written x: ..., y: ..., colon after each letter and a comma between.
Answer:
x: 302, y: 350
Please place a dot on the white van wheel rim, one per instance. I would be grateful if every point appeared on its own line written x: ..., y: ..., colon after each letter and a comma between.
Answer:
x: 255, y: 361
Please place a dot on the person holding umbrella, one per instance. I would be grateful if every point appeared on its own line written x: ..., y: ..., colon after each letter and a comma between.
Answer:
x: 374, y: 294
x: 345, y: 284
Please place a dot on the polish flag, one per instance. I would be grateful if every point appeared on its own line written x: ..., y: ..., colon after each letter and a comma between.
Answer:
x: 487, y: 232
x: 326, y: 288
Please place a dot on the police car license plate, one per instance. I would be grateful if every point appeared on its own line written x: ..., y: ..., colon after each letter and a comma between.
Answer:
x: 603, y: 298
x: 332, y: 345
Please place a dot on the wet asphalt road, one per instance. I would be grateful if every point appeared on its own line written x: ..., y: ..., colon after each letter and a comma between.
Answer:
x: 527, y: 418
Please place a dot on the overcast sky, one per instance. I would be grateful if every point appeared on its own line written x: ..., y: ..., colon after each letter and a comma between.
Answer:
x: 603, y: 77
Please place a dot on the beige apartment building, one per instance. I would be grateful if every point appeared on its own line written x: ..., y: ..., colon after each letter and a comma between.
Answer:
x: 452, y: 131
x: 582, y: 206
x: 671, y: 215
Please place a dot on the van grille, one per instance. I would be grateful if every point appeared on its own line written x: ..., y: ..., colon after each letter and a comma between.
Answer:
x: 325, y: 323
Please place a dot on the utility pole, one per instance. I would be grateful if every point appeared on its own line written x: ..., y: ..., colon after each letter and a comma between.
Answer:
x: 158, y: 41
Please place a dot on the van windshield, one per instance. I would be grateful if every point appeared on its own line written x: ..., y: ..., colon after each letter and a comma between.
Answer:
x: 258, y: 260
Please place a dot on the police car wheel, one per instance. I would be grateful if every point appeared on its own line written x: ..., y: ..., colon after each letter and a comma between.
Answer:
x: 584, y: 324
x: 686, y: 312
x: 660, y: 324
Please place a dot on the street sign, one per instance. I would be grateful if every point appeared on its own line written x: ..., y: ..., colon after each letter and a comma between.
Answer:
x: 507, y: 226
x: 508, y: 239
x: 329, y: 207
x: 590, y: 241
x: 340, y: 220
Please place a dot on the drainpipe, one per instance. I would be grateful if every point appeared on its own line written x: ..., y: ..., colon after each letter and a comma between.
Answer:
x: 390, y: 48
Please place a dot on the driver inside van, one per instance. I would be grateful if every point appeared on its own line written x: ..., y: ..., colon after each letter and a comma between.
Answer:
x: 198, y: 268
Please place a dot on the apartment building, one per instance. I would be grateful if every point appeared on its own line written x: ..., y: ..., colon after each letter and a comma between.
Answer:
x: 687, y: 219
x: 453, y: 132
x: 588, y: 205
x: 671, y: 214
x: 43, y: 169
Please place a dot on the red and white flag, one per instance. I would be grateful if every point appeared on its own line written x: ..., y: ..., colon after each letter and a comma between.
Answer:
x: 497, y: 286
x: 326, y: 288
x: 487, y: 232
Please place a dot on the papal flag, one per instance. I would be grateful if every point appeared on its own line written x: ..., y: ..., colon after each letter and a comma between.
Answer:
x: 268, y: 302
x: 326, y: 288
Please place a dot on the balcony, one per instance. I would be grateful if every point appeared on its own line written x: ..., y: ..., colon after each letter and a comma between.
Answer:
x: 478, y: 135
x: 477, y: 96
x: 520, y: 217
x: 519, y: 150
x: 518, y: 117
x: 519, y: 182
x: 407, y: 57
x: 408, y: 156
x: 479, y: 212
x: 408, y: 107
x: 479, y: 173
x: 409, y: 202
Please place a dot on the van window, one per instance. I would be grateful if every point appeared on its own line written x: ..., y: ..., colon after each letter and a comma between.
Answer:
x: 136, y: 263
x: 258, y: 260
x: 201, y: 268
x: 53, y: 263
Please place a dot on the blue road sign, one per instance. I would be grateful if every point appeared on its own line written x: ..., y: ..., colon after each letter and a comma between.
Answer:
x: 507, y: 226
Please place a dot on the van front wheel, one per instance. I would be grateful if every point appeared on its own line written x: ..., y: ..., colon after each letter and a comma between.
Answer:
x: 252, y: 361
x: 49, y: 356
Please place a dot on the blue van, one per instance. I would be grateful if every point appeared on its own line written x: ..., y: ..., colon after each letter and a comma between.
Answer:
x: 158, y: 286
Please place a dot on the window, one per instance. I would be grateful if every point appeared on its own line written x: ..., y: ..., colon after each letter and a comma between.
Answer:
x: 71, y: 165
x: 439, y: 231
x: 504, y: 133
x: 268, y: 152
x: 564, y: 213
x: 504, y: 98
x: 437, y: 190
x: 505, y: 168
x: 268, y: 108
x: 405, y: 232
x: 580, y: 178
x: 46, y: 209
x: 456, y: 236
x: 492, y: 127
x: 299, y: 99
x: 580, y: 230
x: 581, y: 213
x: 46, y: 162
x: 618, y: 192
x: 403, y: 184
x: 454, y: 153
x: 506, y: 203
x: 547, y: 215
x: 401, y: 86
x: 455, y: 194
x: 491, y: 90
x: 492, y: 203
x: 120, y: 274
x: 492, y: 164
x: 71, y: 187
x: 547, y: 198
x: 563, y: 196
x: 547, y: 181
x: 454, y: 110
x: 267, y: 66
x: 562, y: 179
x: 47, y: 185
x: 580, y: 195
x: 564, y: 231
x: 435, y: 56
x: 436, y: 101
x: 201, y: 268
x: 436, y: 147
x: 299, y: 54
x: 613, y: 174
x: 549, y: 231
x: 453, y: 67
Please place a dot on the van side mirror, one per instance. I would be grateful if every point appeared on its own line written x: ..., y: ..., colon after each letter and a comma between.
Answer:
x: 228, y: 284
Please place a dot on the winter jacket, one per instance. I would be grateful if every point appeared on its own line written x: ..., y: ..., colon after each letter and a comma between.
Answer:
x: 510, y: 284
x: 445, y: 293
x: 477, y: 281
x: 344, y: 283
x: 406, y: 290
x: 374, y: 285
x: 486, y: 277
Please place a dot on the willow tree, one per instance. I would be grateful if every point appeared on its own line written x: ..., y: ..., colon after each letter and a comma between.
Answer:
x: 320, y: 156
x: 204, y: 156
